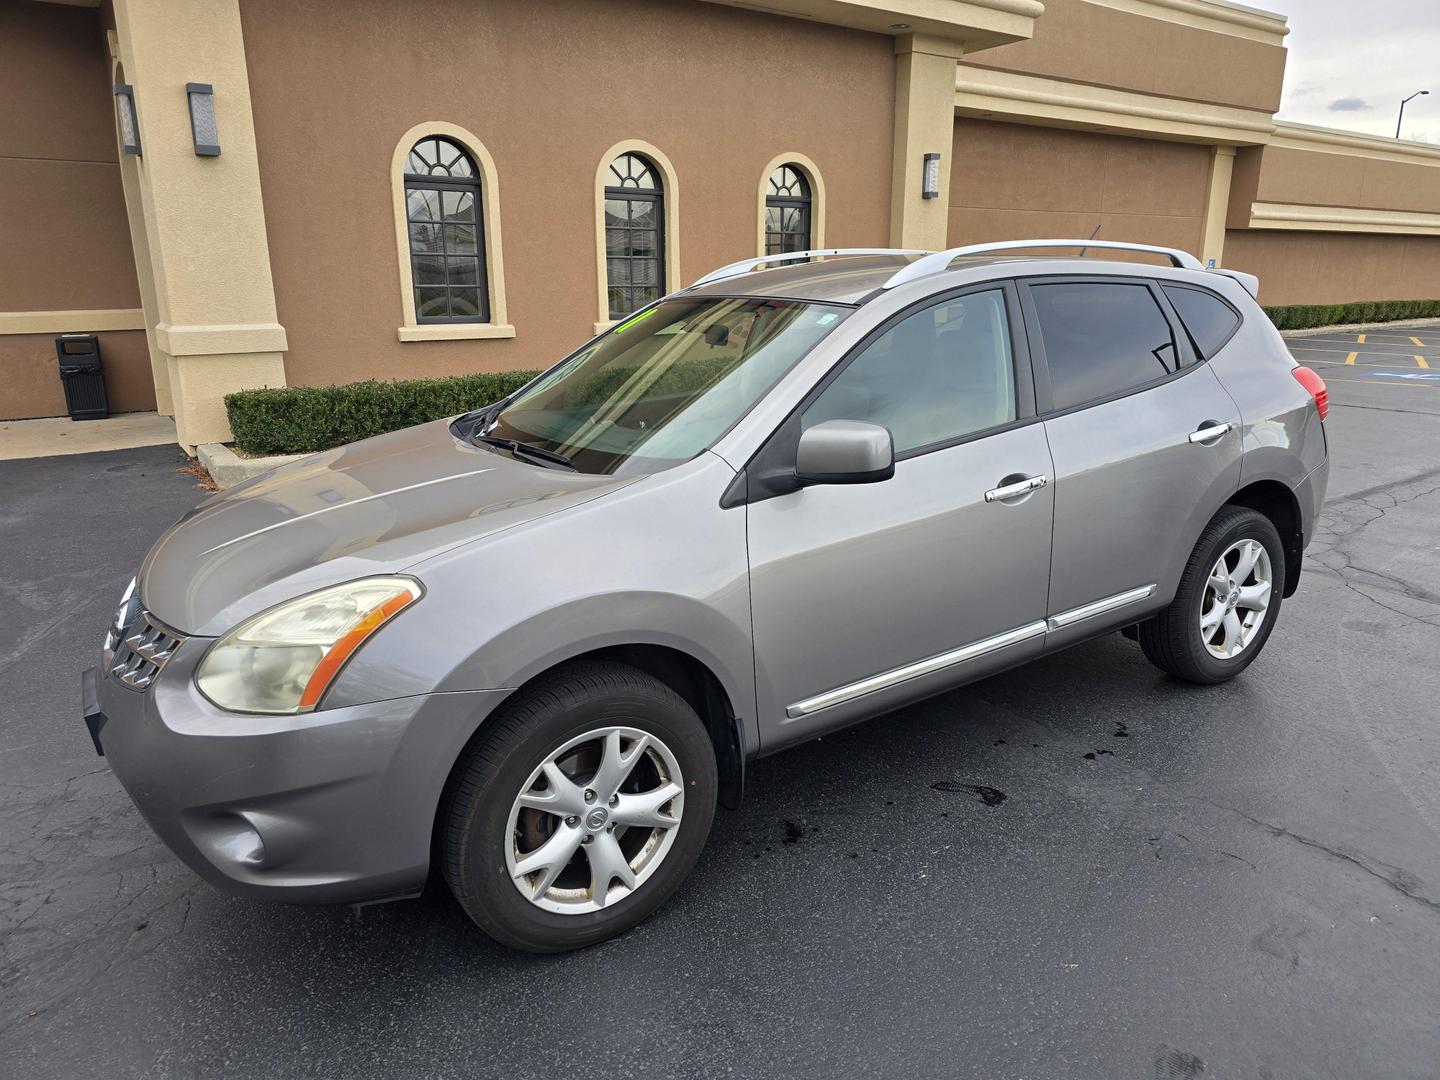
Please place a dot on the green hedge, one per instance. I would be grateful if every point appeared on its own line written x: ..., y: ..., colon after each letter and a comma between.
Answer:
x: 304, y: 419
x: 1304, y: 316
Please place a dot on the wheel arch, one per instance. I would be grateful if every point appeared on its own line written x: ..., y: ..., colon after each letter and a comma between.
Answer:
x: 1278, y: 503
x: 687, y: 675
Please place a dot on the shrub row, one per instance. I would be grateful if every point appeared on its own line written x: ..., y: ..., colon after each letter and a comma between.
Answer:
x: 1304, y: 316
x: 304, y: 419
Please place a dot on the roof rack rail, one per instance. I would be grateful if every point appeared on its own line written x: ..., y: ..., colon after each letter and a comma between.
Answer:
x: 941, y: 260
x: 745, y: 265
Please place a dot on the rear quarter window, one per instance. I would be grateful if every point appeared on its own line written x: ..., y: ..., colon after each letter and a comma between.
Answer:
x: 1208, y: 320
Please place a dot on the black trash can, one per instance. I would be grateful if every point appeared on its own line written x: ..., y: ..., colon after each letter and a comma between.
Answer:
x: 82, y: 375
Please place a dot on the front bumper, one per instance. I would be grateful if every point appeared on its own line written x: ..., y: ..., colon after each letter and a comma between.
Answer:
x: 329, y: 807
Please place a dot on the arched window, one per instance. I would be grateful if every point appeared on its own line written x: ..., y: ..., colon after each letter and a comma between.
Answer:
x: 787, y: 211
x: 634, y: 234
x: 443, y: 211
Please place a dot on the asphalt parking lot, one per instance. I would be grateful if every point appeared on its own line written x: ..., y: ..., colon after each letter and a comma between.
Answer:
x: 1078, y: 868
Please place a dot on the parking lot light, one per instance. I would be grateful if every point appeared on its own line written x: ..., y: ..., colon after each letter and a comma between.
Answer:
x: 1401, y: 118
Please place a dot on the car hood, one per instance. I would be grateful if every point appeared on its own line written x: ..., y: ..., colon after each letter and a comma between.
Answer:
x: 375, y: 507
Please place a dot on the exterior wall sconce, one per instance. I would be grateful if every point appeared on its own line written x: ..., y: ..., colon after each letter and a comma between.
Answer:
x: 202, y: 119
x: 930, y: 177
x: 129, y: 126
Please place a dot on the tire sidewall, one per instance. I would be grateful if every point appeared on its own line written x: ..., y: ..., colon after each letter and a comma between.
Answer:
x: 1249, y: 525
x: 514, y: 919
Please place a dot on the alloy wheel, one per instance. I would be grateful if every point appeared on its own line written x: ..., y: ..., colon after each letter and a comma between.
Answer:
x: 595, y: 819
x: 1236, y: 597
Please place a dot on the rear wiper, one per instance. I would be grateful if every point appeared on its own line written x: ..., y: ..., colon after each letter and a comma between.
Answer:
x: 523, y: 449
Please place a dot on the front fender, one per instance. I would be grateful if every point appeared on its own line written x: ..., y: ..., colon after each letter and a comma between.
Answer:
x: 658, y: 563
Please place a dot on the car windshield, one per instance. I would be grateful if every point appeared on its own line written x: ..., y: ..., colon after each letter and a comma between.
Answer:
x: 664, y: 384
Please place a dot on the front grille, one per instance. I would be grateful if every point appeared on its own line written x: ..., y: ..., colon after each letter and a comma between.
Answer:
x: 140, y: 651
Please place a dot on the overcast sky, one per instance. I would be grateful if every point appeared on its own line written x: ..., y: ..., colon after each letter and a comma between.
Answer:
x: 1351, y: 61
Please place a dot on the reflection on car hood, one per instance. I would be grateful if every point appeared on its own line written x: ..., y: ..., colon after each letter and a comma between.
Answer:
x: 378, y: 506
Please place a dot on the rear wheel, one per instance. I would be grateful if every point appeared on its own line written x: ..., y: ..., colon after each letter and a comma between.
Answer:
x: 580, y: 810
x: 1227, y: 603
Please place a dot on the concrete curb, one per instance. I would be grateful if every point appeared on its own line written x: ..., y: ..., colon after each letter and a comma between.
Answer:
x: 1401, y: 324
x: 228, y: 468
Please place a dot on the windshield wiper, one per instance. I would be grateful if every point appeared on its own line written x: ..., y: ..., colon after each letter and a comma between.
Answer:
x: 524, y: 449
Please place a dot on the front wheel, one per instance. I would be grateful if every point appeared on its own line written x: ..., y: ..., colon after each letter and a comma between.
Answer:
x: 1227, y: 603
x: 580, y: 809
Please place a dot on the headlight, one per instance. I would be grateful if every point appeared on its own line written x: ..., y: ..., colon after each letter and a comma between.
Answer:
x: 283, y: 660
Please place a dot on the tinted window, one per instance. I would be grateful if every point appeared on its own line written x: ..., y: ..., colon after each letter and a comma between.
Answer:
x: 1101, y: 339
x: 1208, y: 319
x: 937, y: 375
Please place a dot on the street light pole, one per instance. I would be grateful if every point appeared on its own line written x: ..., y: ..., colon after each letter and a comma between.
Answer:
x: 1401, y: 118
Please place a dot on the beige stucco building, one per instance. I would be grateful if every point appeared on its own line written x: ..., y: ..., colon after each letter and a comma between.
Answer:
x: 438, y: 186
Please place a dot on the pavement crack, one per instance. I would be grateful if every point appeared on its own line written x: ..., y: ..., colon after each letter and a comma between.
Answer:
x: 1402, y: 881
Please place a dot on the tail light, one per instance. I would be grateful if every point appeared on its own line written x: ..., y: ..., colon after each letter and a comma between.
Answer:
x: 1316, y: 385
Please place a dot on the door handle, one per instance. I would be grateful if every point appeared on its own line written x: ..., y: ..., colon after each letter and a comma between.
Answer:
x: 1209, y: 432
x: 1020, y: 487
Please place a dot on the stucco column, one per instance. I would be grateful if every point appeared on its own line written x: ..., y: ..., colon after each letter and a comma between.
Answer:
x: 1217, y: 204
x: 924, y: 124
x: 204, y: 222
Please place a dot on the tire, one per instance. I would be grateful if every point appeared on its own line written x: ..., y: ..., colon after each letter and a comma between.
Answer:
x: 1174, y: 640
x: 583, y: 721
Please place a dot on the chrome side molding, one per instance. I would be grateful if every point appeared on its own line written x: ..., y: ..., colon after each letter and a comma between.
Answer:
x: 1099, y: 607
x: 886, y: 679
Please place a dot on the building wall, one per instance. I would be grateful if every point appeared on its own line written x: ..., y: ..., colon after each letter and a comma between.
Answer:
x: 32, y: 386
x: 1014, y: 182
x: 1100, y: 45
x: 1326, y: 218
x: 1321, y: 179
x: 64, y: 235
x: 1336, y: 267
x: 547, y: 89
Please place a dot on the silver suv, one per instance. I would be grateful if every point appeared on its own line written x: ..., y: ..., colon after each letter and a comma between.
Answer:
x: 534, y: 645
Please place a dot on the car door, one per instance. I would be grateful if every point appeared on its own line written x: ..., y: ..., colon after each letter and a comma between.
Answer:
x: 1145, y: 442
x: 865, y: 596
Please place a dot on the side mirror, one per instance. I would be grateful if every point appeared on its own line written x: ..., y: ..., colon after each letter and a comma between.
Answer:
x: 845, y: 452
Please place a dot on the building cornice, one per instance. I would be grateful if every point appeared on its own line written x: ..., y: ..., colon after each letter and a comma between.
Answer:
x: 1032, y: 99
x: 1296, y: 216
x: 977, y: 24
x: 1292, y: 136
x: 1236, y: 20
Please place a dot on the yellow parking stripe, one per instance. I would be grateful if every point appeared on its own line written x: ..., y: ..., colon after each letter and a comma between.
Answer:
x: 1360, y: 340
x: 1351, y: 358
x: 1369, y: 350
x: 1421, y: 361
x: 1417, y: 341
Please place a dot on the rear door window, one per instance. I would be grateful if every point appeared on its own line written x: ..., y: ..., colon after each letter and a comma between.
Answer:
x: 1208, y: 320
x: 1102, y: 339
